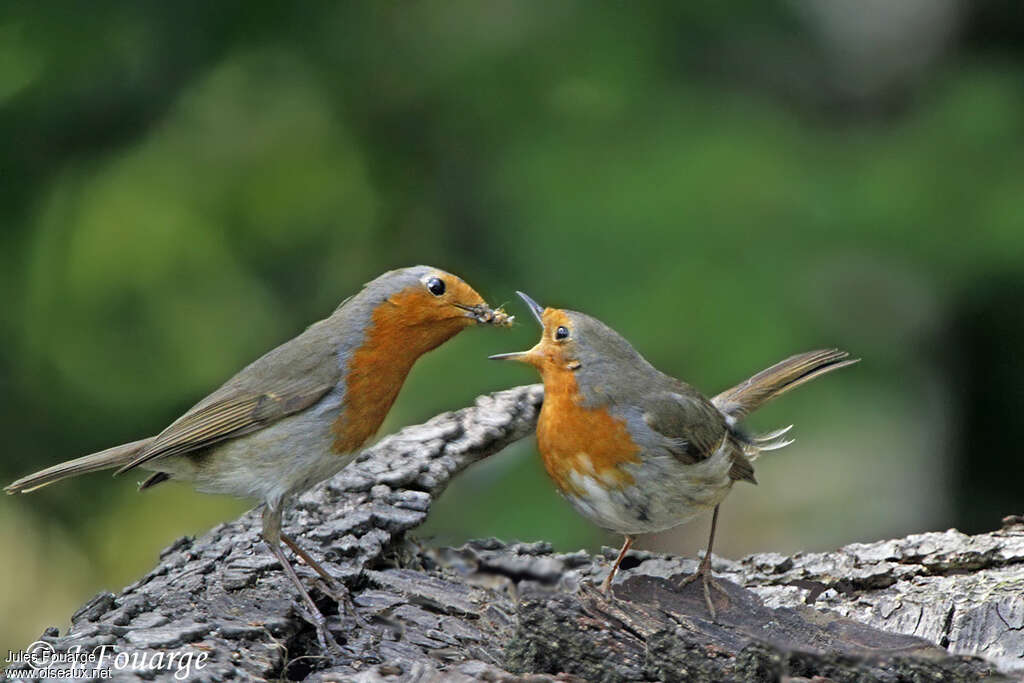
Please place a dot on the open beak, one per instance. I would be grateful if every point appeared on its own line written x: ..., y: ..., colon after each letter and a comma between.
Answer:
x: 523, y: 356
x: 535, y: 307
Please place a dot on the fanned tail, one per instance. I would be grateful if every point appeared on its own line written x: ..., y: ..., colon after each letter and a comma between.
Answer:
x: 746, y: 397
x: 118, y: 456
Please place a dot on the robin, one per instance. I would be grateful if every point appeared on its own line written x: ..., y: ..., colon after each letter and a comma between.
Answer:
x: 636, y: 451
x: 299, y: 414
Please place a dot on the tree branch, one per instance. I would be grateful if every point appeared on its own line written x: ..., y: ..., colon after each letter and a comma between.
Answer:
x: 907, y: 609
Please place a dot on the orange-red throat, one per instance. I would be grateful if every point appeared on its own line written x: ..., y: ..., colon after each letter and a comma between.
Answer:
x: 402, y: 328
x: 572, y: 439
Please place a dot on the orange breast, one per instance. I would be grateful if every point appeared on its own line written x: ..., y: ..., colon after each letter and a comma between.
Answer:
x: 401, y: 330
x: 572, y: 438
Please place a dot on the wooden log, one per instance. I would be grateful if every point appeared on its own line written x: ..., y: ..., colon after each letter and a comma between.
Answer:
x: 938, y: 606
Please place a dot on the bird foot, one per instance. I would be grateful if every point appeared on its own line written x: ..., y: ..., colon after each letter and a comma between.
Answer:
x: 587, y: 588
x: 707, y: 583
x: 323, y: 635
x: 340, y: 593
x: 332, y: 587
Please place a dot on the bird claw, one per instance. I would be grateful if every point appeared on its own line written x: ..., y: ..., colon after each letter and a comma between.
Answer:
x: 340, y: 593
x: 327, y: 641
x: 323, y: 635
x: 588, y: 588
x: 707, y: 582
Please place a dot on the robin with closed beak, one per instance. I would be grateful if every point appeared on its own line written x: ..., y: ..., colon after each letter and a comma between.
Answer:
x: 300, y: 413
x: 637, y: 451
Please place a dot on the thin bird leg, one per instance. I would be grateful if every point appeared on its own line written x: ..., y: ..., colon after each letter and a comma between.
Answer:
x: 704, y: 570
x: 606, y: 585
x: 272, y: 535
x: 338, y: 590
x: 308, y: 559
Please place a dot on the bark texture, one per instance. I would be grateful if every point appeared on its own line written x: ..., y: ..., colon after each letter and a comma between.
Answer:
x: 936, y: 606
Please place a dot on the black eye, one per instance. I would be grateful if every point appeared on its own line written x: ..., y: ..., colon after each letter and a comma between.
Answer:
x: 436, y: 286
x: 561, y: 333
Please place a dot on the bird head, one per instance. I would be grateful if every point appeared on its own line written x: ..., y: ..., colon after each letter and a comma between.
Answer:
x: 421, y: 307
x: 571, y: 340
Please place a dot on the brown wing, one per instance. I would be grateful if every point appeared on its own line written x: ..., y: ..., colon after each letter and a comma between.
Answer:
x: 689, y: 420
x: 285, y: 381
x: 696, y: 426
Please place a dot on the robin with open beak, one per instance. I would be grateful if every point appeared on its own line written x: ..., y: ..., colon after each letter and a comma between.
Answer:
x: 637, y: 451
x: 300, y: 413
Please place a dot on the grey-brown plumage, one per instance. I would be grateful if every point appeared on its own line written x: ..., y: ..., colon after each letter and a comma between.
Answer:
x: 285, y: 381
x: 298, y: 414
x: 748, y: 396
x: 635, y: 450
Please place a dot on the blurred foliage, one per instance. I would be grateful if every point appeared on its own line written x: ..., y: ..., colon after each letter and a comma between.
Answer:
x: 186, y: 185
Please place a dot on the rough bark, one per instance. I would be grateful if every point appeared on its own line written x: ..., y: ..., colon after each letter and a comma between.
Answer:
x: 937, y: 606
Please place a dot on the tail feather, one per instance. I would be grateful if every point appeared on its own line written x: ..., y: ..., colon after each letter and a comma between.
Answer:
x: 745, y: 398
x: 770, y: 437
x: 118, y: 456
x: 770, y: 446
x: 748, y: 396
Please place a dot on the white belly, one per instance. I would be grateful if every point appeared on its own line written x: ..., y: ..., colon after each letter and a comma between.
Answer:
x: 665, y: 493
x: 284, y: 458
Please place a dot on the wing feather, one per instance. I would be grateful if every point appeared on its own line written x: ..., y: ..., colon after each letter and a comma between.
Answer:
x: 688, y: 420
x: 695, y: 427
x: 283, y: 382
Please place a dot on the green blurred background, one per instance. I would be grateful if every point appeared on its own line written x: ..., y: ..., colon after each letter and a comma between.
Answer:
x: 186, y: 185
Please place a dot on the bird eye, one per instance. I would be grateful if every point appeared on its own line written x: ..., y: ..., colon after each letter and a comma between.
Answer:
x: 436, y: 286
x: 561, y: 333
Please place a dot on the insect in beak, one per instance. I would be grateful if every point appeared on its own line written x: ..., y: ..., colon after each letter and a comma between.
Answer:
x: 485, y: 315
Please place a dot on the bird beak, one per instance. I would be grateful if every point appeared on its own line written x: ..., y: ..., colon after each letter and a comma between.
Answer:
x: 524, y: 356
x: 520, y: 356
x: 535, y: 307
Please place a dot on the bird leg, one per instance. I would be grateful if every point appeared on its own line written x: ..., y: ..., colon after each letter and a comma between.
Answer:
x: 704, y: 570
x: 272, y: 535
x: 338, y: 590
x: 308, y: 559
x: 606, y: 585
